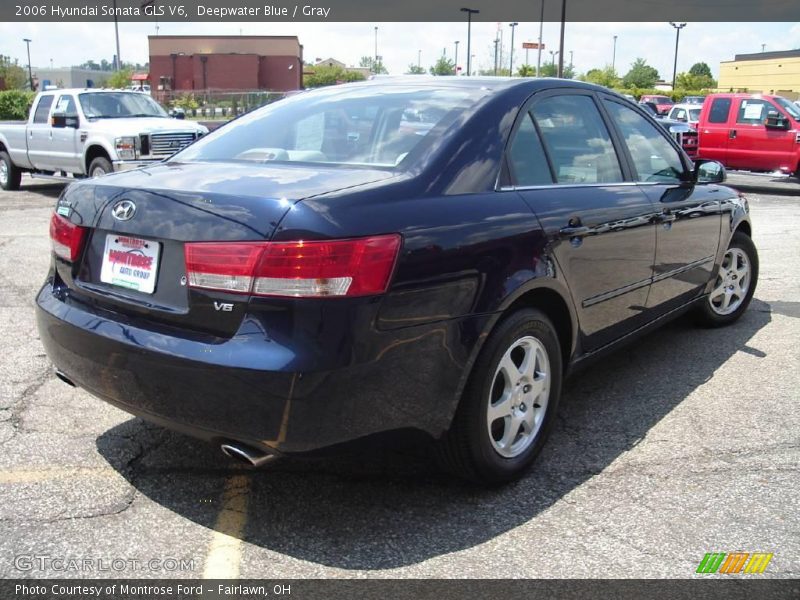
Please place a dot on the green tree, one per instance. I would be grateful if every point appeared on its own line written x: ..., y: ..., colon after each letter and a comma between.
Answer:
x: 443, y: 66
x: 185, y: 101
x: 375, y: 67
x: 689, y: 81
x: 501, y: 72
x: 14, y: 76
x: 700, y: 69
x: 120, y: 79
x: 15, y: 104
x: 415, y: 70
x: 548, y: 69
x: 324, y: 75
x: 526, y: 71
x: 641, y: 75
x: 606, y: 76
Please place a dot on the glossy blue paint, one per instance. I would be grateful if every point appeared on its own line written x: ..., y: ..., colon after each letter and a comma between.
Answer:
x: 295, y: 375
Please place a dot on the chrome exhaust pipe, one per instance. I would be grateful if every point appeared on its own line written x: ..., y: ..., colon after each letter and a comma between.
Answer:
x: 246, y: 454
x: 65, y: 379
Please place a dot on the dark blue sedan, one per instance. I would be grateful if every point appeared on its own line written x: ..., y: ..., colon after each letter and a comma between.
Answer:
x: 426, y: 255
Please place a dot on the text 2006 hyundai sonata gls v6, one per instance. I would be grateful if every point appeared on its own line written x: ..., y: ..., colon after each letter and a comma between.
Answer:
x: 428, y: 255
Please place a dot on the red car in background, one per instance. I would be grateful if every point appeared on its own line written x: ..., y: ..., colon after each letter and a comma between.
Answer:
x: 663, y: 103
x: 754, y: 132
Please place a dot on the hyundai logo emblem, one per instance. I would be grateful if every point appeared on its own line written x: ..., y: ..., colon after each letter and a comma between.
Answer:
x: 123, y: 210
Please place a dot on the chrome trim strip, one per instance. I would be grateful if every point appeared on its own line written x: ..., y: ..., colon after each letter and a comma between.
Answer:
x: 614, y: 293
x: 683, y: 269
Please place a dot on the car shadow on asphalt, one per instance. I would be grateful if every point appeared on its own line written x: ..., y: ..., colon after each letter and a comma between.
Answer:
x: 382, y: 510
x: 50, y: 189
x: 775, y: 186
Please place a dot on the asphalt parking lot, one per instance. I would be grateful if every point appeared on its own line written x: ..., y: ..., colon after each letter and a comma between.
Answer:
x: 686, y: 442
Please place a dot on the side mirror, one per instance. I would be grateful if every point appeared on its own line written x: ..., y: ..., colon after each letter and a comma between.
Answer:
x: 775, y: 120
x: 60, y: 119
x: 708, y: 171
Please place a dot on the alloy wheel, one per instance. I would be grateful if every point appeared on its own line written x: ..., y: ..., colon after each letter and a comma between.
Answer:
x: 518, y: 397
x: 3, y: 173
x: 732, y: 284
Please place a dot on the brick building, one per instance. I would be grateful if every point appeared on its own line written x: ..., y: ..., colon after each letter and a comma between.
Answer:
x: 225, y: 62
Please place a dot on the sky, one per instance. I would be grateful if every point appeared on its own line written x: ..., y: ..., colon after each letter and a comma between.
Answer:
x: 591, y: 44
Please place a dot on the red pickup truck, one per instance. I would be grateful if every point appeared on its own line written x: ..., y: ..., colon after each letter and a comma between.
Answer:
x: 755, y: 132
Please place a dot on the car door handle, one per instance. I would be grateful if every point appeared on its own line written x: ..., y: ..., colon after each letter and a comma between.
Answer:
x: 577, y: 231
x: 732, y: 134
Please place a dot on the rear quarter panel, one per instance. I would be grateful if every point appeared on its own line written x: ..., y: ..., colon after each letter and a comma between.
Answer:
x: 12, y: 138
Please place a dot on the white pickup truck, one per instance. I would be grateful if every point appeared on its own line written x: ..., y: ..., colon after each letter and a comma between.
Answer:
x: 89, y: 132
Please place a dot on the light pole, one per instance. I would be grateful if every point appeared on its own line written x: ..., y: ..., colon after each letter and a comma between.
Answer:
x: 30, y: 71
x: 561, y: 41
x: 541, y: 26
x: 511, y: 61
x: 419, y: 59
x: 470, y: 12
x: 496, y: 42
x: 116, y: 34
x: 375, y: 64
x: 570, y: 60
x: 763, y: 47
x: 678, y: 27
x: 553, y: 54
x: 455, y: 67
x: 614, y: 55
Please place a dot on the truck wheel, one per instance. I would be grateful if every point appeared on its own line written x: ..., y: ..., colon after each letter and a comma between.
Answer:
x: 100, y: 166
x: 10, y: 175
x: 734, y: 284
x: 509, y: 404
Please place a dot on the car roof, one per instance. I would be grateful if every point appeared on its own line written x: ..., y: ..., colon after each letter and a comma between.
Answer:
x: 83, y: 90
x: 740, y: 95
x: 687, y: 105
x: 491, y: 84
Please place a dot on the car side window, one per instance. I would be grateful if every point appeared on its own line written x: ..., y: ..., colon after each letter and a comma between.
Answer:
x: 66, y: 105
x: 528, y: 160
x: 43, y: 109
x: 753, y: 112
x: 577, y: 140
x: 720, y: 107
x: 654, y: 158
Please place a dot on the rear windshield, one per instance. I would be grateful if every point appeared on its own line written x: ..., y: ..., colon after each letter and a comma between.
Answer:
x: 352, y: 125
x: 662, y: 100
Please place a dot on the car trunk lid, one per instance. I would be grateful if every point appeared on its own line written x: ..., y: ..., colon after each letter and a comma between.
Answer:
x: 133, y: 261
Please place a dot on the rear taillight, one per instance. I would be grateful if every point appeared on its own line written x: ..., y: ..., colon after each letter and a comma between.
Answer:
x: 66, y: 238
x: 356, y: 267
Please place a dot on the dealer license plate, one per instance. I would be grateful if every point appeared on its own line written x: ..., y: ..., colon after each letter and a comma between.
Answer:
x: 130, y: 262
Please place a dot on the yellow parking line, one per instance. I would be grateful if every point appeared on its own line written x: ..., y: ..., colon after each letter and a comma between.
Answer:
x: 225, y: 550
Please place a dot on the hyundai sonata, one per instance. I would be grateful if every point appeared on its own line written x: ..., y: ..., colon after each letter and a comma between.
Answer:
x: 429, y: 255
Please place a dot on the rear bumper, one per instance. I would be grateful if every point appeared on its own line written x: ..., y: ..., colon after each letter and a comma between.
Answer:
x: 240, y: 389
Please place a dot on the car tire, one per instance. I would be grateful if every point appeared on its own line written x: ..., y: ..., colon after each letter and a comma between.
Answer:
x: 10, y: 175
x: 481, y: 445
x: 100, y: 166
x: 734, y: 284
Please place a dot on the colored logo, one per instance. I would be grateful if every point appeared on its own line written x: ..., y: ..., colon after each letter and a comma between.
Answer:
x: 734, y: 562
